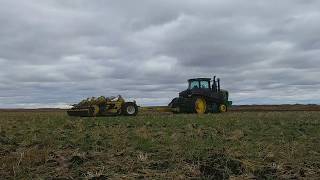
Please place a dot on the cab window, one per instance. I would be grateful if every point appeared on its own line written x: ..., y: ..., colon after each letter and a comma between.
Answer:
x: 204, y: 84
x: 194, y: 84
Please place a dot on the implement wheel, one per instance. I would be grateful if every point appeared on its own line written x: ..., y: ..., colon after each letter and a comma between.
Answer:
x: 200, y: 105
x: 129, y: 109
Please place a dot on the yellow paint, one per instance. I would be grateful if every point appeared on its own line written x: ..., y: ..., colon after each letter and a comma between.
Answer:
x: 96, y: 110
x: 200, y: 106
x: 223, y: 108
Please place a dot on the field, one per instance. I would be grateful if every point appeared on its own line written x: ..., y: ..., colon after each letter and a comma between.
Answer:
x: 234, y: 145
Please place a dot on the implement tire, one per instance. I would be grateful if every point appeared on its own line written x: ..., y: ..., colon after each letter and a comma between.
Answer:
x: 129, y: 109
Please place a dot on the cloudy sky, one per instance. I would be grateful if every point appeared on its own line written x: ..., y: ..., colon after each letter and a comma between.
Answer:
x: 54, y: 53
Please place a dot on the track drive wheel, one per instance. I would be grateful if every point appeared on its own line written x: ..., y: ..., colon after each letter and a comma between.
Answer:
x: 129, y: 109
x: 200, y: 105
x: 223, y: 108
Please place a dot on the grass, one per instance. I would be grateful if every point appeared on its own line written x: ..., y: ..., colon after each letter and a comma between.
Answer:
x: 238, y: 145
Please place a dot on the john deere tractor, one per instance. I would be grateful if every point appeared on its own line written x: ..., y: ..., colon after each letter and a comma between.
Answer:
x: 202, y: 96
x: 103, y: 106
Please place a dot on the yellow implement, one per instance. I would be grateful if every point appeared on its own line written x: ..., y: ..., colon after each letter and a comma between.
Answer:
x: 103, y: 107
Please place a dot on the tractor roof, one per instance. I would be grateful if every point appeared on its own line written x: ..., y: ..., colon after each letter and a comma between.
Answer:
x: 200, y: 79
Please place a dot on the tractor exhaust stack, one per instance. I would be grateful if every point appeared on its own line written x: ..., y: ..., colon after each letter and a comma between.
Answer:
x: 214, y: 84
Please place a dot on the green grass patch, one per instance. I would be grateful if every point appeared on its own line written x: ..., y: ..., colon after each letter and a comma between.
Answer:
x: 266, y: 145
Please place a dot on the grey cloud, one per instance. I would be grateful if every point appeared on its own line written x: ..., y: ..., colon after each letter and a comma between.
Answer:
x: 53, y: 53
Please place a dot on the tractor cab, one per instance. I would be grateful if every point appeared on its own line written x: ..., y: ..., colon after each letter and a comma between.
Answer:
x: 204, y: 84
x: 199, y: 83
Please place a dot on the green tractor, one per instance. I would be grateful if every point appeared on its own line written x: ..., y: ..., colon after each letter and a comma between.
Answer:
x: 202, y: 96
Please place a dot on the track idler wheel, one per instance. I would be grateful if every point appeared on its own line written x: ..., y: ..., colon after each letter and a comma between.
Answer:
x: 222, y: 108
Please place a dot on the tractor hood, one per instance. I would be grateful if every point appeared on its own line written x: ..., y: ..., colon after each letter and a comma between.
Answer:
x: 185, y: 93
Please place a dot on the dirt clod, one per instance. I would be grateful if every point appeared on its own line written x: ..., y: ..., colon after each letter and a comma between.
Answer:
x: 220, y: 166
x: 159, y: 165
x: 77, y: 160
x: 101, y: 177
x: 266, y: 173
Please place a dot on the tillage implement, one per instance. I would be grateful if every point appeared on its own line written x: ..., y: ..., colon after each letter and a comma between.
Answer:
x: 103, y: 106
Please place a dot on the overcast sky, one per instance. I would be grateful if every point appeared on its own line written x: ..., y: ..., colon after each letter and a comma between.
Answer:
x: 54, y: 53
